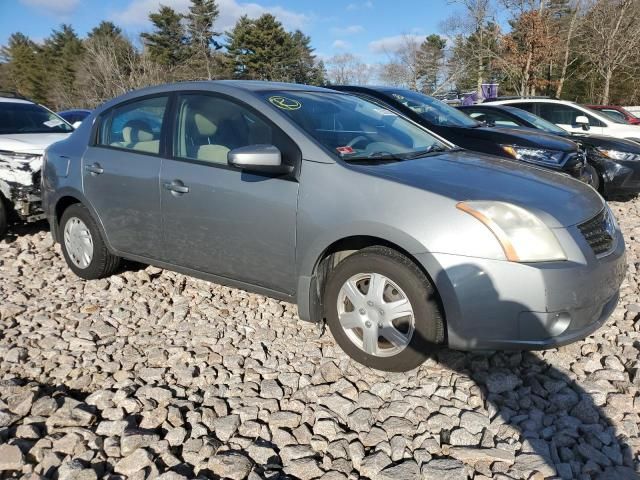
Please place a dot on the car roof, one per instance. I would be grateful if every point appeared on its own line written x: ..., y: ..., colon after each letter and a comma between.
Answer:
x: 532, y: 100
x: 14, y: 100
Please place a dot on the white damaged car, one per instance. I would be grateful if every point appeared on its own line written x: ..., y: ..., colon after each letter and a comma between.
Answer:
x: 26, y: 130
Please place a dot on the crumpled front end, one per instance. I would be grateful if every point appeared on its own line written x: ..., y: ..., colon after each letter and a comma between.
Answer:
x: 20, y: 184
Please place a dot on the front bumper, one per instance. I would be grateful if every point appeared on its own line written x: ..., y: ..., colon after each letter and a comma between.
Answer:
x: 620, y: 177
x: 495, y: 304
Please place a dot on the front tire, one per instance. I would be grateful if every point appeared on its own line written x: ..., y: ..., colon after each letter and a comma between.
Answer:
x: 83, y: 247
x: 382, y: 310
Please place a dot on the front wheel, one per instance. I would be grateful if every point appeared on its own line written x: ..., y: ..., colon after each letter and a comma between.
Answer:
x: 595, y: 177
x: 83, y: 247
x: 382, y: 310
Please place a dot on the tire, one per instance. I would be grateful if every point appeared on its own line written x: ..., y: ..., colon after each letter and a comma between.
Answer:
x: 3, y: 218
x: 102, y: 263
x: 401, y: 279
x: 595, y: 177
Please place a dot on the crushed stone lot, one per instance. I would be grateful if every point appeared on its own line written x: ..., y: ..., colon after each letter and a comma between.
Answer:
x: 152, y: 374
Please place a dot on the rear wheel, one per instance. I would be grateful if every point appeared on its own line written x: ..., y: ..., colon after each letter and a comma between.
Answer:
x: 83, y: 247
x: 382, y: 310
x: 3, y: 218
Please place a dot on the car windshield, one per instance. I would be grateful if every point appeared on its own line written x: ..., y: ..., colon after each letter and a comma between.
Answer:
x: 432, y: 110
x: 614, y: 115
x: 18, y: 117
x: 353, y: 128
x: 601, y: 114
x: 539, y: 122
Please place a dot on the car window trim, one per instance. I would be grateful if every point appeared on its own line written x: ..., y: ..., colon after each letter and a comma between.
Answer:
x: 172, y: 132
x: 107, y: 115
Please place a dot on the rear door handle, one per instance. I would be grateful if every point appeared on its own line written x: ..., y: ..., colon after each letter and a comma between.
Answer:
x: 176, y: 187
x: 94, y: 169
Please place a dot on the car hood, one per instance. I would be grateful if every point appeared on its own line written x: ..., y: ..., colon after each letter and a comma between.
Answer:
x: 559, y: 200
x: 527, y: 138
x: 30, y: 142
x: 609, y: 143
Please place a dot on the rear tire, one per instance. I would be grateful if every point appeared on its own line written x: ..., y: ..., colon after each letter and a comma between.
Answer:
x: 82, y: 245
x: 3, y: 218
x: 395, y: 330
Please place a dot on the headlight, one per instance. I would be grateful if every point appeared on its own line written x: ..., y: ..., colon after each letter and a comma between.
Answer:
x: 617, y: 154
x: 534, y: 155
x: 522, y: 235
x: 17, y: 157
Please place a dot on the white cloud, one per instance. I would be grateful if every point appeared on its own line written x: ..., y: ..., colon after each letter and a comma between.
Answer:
x: 360, y: 6
x: 349, y: 30
x: 341, y: 45
x: 54, y: 7
x: 391, y: 44
x: 137, y: 13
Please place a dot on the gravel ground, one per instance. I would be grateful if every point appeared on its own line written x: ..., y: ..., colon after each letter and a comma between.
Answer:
x: 153, y: 374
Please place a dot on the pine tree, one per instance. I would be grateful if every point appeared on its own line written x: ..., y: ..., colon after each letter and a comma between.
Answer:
x: 167, y: 44
x: 261, y: 49
x: 62, y: 53
x: 306, y: 69
x: 25, y: 69
x: 200, y: 28
x: 430, y: 59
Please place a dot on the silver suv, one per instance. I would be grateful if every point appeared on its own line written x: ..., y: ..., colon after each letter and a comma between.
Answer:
x: 395, y: 238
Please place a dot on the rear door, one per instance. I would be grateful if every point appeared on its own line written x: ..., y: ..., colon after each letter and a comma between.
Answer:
x: 120, y: 175
x: 216, y: 218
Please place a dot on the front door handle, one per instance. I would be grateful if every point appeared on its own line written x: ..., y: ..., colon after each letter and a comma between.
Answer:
x: 94, y: 169
x: 176, y: 187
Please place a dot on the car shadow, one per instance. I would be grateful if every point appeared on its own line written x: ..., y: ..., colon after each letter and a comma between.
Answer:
x: 20, y: 229
x: 560, y: 421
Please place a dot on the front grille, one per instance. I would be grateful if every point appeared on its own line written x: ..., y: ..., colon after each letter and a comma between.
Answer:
x: 598, y: 232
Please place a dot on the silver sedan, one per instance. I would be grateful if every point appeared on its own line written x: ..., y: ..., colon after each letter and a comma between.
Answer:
x: 397, y: 239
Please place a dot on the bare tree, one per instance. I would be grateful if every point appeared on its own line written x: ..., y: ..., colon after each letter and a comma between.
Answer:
x: 610, y: 37
x: 348, y: 69
x: 478, y: 14
x: 403, y: 66
x: 569, y: 35
x: 112, y: 67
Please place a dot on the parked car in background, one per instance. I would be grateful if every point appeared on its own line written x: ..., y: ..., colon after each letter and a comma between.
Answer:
x: 26, y: 129
x: 614, y: 162
x: 575, y: 118
x: 617, y: 113
x: 75, y: 117
x: 541, y: 149
x: 396, y: 238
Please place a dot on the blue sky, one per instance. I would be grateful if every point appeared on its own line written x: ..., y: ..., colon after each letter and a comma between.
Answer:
x: 366, y: 28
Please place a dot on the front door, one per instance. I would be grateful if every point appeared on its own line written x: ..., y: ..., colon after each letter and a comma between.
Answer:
x: 216, y: 218
x: 565, y: 116
x: 120, y: 176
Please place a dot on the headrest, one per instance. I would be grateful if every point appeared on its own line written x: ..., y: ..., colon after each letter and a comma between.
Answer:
x: 137, y: 131
x: 204, y: 125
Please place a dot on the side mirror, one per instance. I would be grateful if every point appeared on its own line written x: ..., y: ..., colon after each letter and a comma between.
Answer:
x: 258, y: 158
x: 75, y: 125
x: 583, y: 121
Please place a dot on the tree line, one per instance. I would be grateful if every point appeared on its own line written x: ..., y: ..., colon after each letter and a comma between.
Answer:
x: 584, y: 50
x: 68, y: 71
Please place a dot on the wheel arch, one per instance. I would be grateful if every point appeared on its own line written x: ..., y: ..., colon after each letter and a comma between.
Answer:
x: 64, y: 200
x: 311, y: 286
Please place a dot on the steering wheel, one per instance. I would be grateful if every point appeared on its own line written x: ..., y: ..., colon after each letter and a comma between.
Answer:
x: 356, y: 140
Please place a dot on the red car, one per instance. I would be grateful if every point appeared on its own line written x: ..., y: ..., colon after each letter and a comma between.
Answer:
x: 617, y: 113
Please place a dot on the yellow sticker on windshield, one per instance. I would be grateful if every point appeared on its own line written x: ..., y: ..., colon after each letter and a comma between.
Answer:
x: 285, y: 103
